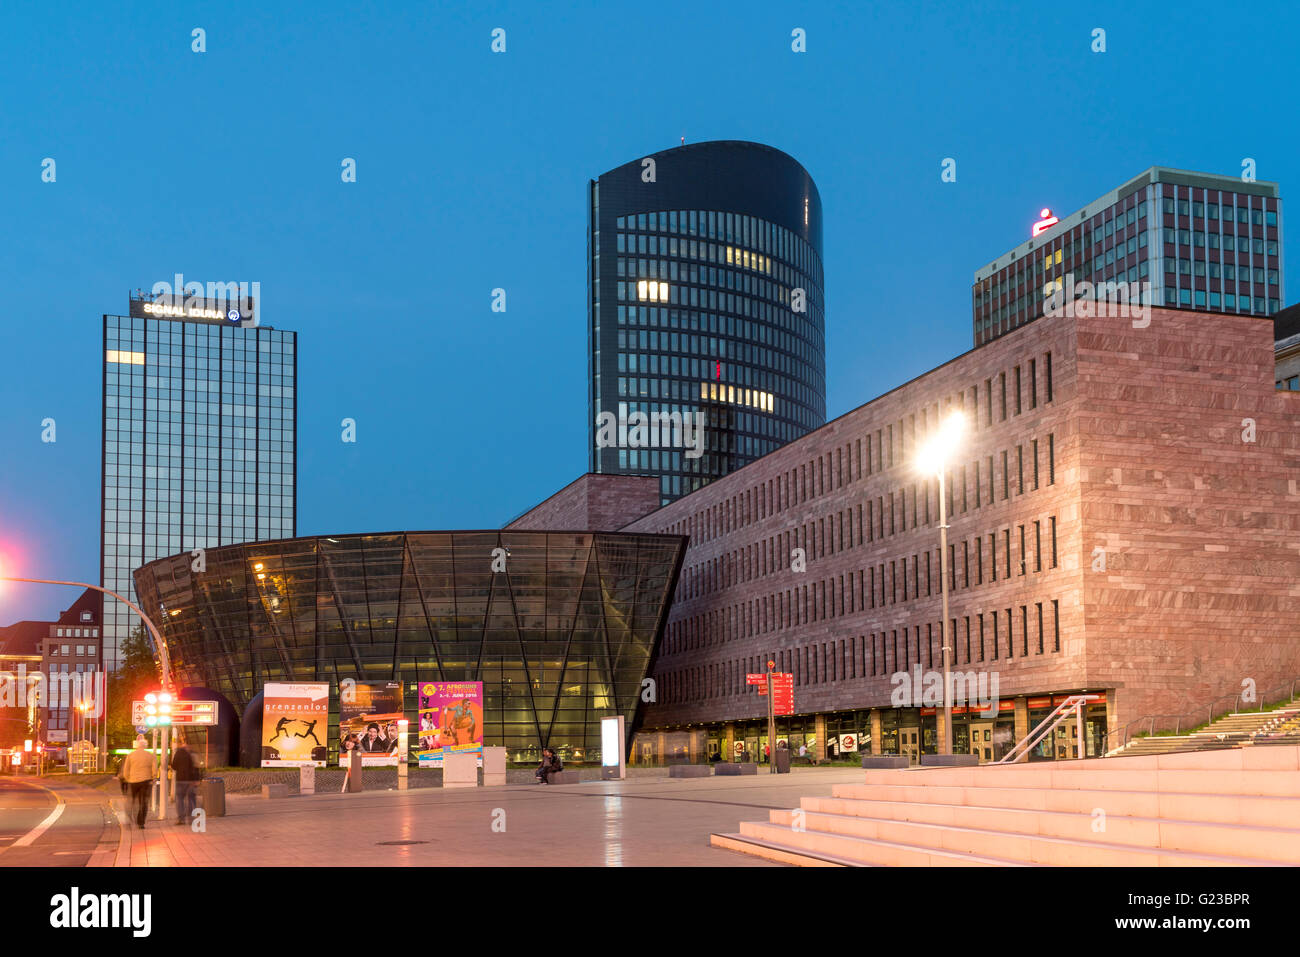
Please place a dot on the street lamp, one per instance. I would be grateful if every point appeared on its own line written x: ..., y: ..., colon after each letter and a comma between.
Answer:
x: 159, y: 643
x: 932, y: 459
x: 164, y: 659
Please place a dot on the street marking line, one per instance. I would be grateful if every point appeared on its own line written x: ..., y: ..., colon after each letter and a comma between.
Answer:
x: 27, y: 839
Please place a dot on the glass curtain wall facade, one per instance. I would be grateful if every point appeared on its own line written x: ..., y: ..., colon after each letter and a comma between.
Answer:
x: 560, y: 638
x: 1202, y: 242
x: 706, y: 298
x: 199, y: 445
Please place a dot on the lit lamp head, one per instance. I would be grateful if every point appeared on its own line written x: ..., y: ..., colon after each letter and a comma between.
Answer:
x: 932, y: 456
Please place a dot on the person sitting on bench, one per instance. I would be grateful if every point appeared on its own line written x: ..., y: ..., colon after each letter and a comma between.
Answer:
x: 551, y: 763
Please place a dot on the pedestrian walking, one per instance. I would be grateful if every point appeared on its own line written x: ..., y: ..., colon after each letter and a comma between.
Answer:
x: 187, y: 780
x: 137, y: 773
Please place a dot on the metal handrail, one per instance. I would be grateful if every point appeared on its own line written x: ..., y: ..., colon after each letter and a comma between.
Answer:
x: 1047, y: 725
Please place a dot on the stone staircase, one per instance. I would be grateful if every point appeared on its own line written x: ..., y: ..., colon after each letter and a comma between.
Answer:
x: 1234, y: 807
x: 1278, y: 727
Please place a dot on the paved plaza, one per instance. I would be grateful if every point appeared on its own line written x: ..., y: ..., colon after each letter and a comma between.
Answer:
x: 649, y: 822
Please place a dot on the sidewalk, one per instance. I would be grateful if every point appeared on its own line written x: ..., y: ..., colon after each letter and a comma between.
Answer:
x: 655, y: 822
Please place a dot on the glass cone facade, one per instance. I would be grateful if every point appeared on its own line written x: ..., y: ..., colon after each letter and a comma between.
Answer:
x: 560, y: 638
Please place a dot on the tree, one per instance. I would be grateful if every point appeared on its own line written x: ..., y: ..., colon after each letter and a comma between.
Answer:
x: 136, y: 675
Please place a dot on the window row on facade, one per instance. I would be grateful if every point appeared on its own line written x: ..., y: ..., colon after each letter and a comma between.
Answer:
x: 655, y: 280
x: 1019, y: 550
x: 1035, y: 542
x: 1020, y: 631
x: 888, y: 447
x: 736, y: 228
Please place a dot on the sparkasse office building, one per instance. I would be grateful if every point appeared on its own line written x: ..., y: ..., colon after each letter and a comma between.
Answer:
x: 1122, y: 519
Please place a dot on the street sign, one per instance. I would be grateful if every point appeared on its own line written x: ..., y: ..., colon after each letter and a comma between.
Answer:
x: 194, y: 712
x: 782, y: 690
x: 781, y: 680
x: 146, y: 714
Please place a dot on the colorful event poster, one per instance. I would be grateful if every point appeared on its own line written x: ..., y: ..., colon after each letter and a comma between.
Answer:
x: 295, y: 723
x: 368, y: 716
x: 451, y: 720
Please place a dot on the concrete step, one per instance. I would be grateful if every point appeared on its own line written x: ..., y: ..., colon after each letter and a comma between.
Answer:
x: 1213, y: 808
x: 780, y: 853
x: 1232, y: 809
x: 1270, y: 771
x: 1278, y: 844
x: 912, y: 843
x: 863, y: 852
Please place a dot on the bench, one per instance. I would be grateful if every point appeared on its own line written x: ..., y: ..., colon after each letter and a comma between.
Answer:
x: 950, y: 760
x: 689, y: 771
x: 729, y: 769
x: 884, y: 761
x: 564, y: 777
x: 275, y: 790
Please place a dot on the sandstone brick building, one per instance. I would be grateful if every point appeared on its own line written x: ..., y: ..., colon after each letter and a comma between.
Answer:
x: 1124, y: 519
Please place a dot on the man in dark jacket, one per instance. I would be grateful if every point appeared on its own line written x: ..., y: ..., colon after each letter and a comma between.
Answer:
x: 187, y: 778
x: 551, y: 763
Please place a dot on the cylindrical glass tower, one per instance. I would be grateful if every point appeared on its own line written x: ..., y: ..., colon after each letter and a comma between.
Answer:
x: 705, y: 308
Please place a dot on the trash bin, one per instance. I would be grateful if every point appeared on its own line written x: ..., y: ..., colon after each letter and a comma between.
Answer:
x: 782, y: 760
x: 212, y: 796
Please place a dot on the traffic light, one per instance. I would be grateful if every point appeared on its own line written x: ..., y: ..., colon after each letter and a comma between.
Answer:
x: 157, y: 709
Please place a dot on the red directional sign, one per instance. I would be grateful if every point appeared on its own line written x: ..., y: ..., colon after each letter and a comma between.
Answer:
x: 782, y: 690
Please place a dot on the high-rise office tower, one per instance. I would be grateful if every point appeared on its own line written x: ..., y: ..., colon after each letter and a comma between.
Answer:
x: 705, y: 303
x: 1201, y: 241
x: 200, y: 440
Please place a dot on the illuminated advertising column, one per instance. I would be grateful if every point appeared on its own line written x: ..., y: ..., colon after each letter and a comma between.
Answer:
x: 612, y: 765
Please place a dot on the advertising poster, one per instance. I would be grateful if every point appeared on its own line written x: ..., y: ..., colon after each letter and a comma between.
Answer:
x: 295, y: 723
x: 368, y: 716
x: 451, y: 720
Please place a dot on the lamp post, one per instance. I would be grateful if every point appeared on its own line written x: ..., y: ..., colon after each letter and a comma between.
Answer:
x: 933, y: 459
x: 164, y: 660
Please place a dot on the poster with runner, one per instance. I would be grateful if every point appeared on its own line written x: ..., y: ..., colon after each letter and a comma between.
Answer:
x: 450, y: 720
x: 295, y: 722
x: 368, y: 716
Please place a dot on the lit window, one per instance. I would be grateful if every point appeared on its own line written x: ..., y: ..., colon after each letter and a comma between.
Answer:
x: 126, y: 358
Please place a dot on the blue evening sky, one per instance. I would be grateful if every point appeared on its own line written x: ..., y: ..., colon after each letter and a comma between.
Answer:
x: 472, y: 168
